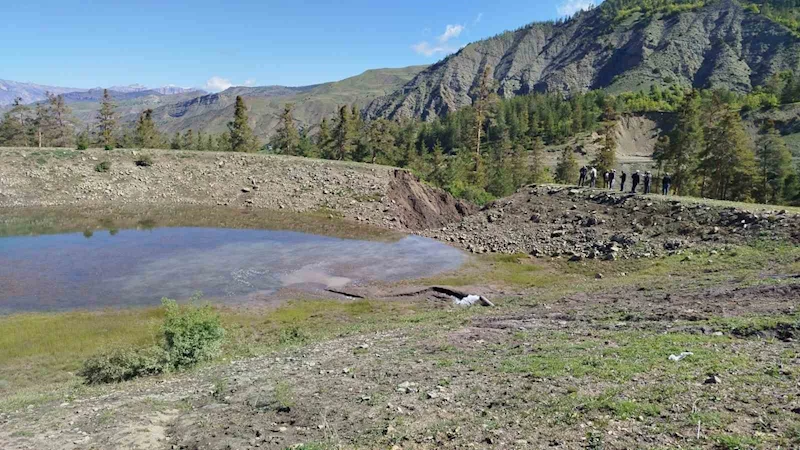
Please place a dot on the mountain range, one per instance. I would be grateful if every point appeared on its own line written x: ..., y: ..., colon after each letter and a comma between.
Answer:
x: 32, y: 93
x: 719, y: 43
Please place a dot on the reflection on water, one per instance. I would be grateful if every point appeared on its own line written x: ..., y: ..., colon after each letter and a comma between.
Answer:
x: 138, y: 267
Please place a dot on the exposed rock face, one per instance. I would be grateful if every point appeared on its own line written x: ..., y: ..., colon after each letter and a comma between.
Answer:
x: 719, y: 45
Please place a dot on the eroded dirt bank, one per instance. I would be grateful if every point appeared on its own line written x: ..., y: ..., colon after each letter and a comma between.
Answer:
x: 378, y: 195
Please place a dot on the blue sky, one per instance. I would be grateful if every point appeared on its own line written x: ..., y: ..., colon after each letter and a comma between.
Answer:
x: 213, y: 44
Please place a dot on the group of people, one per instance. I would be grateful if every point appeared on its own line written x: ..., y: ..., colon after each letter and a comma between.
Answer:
x: 589, y: 177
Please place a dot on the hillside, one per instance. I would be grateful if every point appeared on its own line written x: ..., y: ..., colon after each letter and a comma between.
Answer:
x: 129, y: 102
x: 211, y: 113
x: 721, y: 44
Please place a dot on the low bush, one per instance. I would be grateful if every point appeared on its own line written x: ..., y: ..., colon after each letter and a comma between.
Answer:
x: 103, y: 166
x: 190, y: 335
x: 124, y: 364
x: 144, y: 161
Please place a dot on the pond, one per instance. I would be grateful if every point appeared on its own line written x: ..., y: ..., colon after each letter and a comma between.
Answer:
x: 102, y: 268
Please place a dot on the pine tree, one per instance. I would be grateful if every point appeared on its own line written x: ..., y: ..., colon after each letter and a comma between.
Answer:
x: 381, y: 140
x: 727, y: 163
x: 177, y: 142
x: 59, y: 121
x: 287, y: 139
x: 41, y: 124
x: 538, y: 168
x: 240, y: 135
x: 438, y: 165
x: 775, y: 165
x: 324, y: 140
x: 567, y: 167
x: 82, y: 140
x: 15, y: 129
x: 343, y: 135
x: 606, y: 157
x: 679, y: 158
x: 147, y: 135
x: 189, y: 142
x: 481, y: 107
x: 107, y: 121
x: 500, y: 171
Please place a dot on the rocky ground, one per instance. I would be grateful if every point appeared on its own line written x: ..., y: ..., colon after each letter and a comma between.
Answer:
x: 617, y: 343
x: 578, y: 223
x: 572, y: 373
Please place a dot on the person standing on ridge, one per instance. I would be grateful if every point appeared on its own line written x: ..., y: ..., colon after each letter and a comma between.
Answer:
x: 635, y: 181
x: 665, y: 184
x: 611, y: 176
x: 605, y: 179
x: 648, y: 178
x: 622, y: 179
x: 593, y: 177
x: 582, y: 179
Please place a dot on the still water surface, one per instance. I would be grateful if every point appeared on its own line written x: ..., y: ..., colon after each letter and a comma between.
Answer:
x: 138, y: 267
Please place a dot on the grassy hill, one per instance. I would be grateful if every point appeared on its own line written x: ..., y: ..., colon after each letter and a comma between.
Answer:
x: 211, y: 113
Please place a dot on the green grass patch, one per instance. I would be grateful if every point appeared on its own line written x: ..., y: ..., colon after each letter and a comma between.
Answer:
x: 620, y: 356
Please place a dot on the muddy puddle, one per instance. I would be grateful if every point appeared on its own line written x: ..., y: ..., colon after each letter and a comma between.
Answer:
x: 104, y: 267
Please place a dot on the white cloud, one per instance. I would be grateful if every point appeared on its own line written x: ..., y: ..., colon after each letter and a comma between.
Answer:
x: 450, y: 32
x: 478, y: 19
x: 425, y: 48
x: 570, y: 7
x: 218, y: 84
x: 441, y: 46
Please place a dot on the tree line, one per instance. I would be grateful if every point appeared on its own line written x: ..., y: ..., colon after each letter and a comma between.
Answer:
x: 494, y: 146
x: 52, y: 124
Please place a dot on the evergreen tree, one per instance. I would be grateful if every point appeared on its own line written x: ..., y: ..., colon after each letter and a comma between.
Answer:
x: 15, y: 129
x: 189, y: 142
x: 775, y: 165
x: 567, y: 167
x: 147, y: 135
x: 343, y: 135
x: 177, y: 142
x: 727, y: 163
x: 606, y: 158
x: 287, y: 139
x: 82, y: 140
x: 381, y: 140
x: 40, y: 124
x: 538, y: 169
x: 500, y: 171
x: 107, y: 121
x: 481, y: 106
x: 59, y: 122
x: 438, y: 164
x: 324, y: 140
x: 679, y: 158
x: 240, y: 135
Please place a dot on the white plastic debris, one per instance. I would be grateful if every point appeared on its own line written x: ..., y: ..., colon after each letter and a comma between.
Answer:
x: 680, y: 357
x: 468, y: 300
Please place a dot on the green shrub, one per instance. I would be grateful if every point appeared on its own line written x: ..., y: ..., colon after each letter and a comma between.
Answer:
x: 109, y: 147
x: 144, y: 161
x: 124, y: 364
x: 82, y: 142
x: 192, y: 334
x: 103, y: 166
x: 292, y: 335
